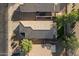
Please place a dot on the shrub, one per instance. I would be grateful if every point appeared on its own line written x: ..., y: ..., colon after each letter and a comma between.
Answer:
x: 26, y: 45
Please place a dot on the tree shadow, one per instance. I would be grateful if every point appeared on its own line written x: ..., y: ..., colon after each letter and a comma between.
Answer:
x: 16, y: 52
x: 59, y: 49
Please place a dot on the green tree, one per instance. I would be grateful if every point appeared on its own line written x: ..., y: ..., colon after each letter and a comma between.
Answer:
x: 66, y: 37
x: 26, y: 45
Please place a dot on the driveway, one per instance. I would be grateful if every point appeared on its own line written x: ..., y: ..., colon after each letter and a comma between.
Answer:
x: 38, y: 50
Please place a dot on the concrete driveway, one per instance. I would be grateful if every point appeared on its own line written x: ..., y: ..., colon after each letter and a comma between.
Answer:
x: 38, y: 50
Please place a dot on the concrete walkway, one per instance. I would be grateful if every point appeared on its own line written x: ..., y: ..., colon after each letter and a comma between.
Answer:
x: 38, y: 50
x: 3, y: 30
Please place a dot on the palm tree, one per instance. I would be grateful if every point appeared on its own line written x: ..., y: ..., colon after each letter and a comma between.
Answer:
x: 66, y: 35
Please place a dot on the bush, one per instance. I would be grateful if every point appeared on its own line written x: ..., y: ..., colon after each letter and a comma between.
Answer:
x: 64, y: 35
x: 26, y: 45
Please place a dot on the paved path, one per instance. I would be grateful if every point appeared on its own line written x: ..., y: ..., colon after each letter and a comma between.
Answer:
x: 3, y: 29
x: 38, y: 50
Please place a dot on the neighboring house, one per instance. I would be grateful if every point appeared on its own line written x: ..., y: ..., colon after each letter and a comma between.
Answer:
x: 37, y: 29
